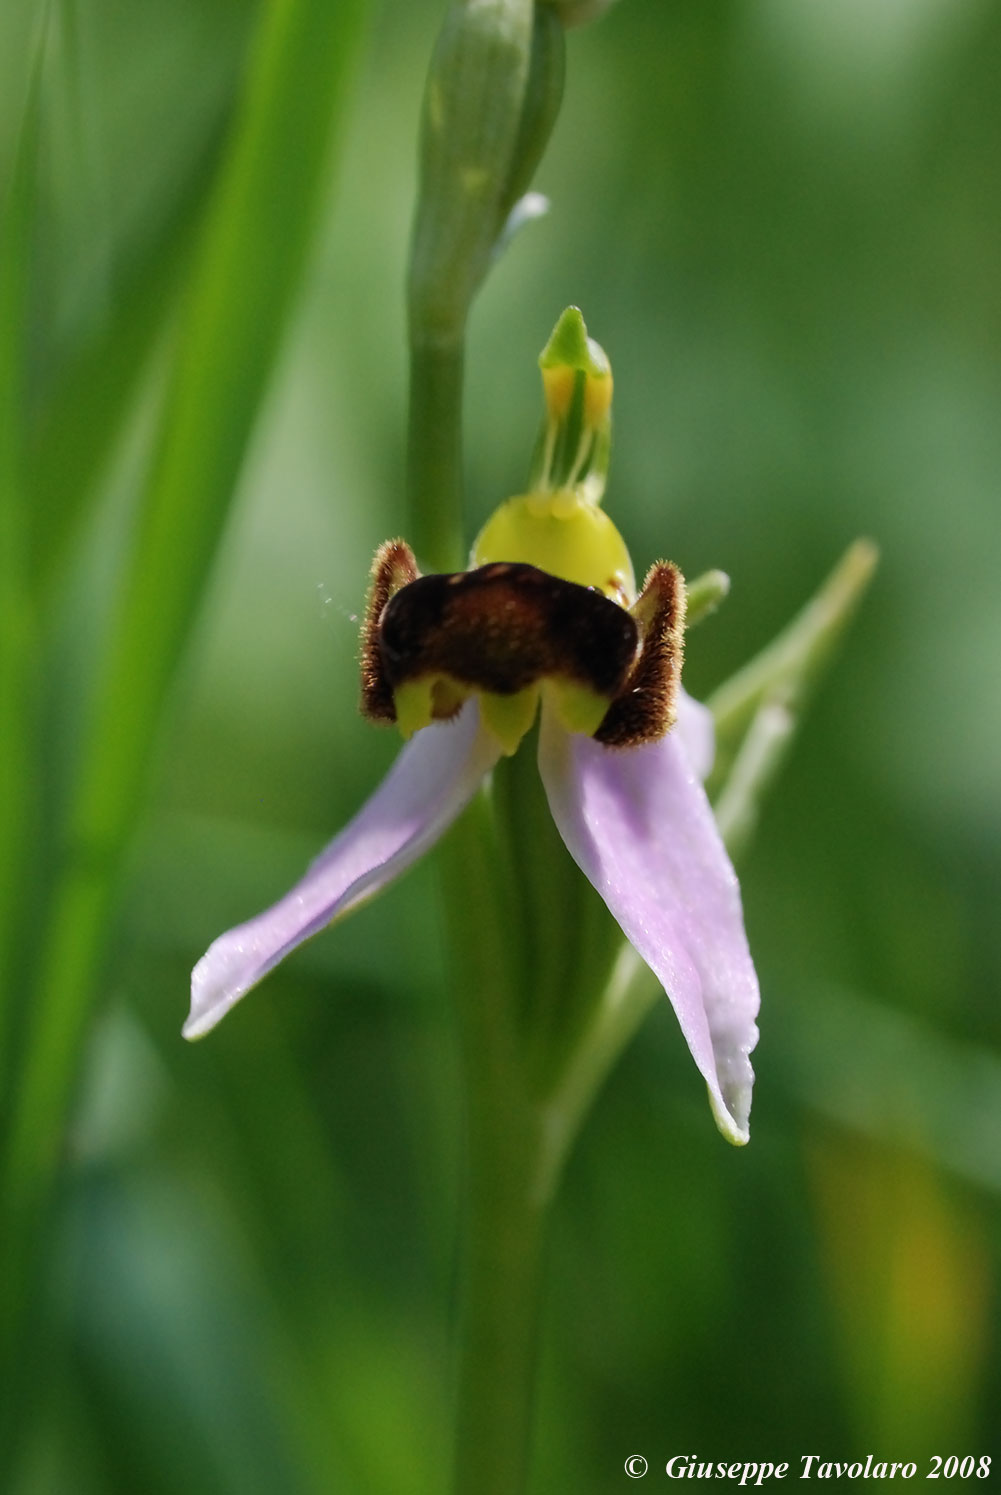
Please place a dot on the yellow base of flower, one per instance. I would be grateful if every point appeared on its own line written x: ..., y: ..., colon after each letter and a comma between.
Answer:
x: 509, y: 717
x: 562, y: 533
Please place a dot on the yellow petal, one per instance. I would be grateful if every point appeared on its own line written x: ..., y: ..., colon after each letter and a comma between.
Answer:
x: 577, y: 708
x: 509, y: 717
x: 413, y: 705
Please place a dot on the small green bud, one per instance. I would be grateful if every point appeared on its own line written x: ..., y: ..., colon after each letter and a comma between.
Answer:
x: 705, y: 594
x: 493, y: 91
x: 557, y: 525
x: 541, y: 104
x: 575, y: 441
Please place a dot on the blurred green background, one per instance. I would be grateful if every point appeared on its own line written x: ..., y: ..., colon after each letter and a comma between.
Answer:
x: 783, y: 221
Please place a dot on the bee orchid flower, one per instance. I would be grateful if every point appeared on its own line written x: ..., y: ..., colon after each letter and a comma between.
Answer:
x: 545, y: 624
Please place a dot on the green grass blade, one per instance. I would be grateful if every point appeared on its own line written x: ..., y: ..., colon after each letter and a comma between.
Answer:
x: 242, y: 290
x: 75, y: 431
x: 17, y: 623
x: 18, y: 631
x: 784, y: 673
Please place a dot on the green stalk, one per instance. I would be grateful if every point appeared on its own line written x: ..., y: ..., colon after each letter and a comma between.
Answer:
x: 504, y: 1212
x: 504, y: 1216
x: 434, y: 453
x: 493, y: 92
x: 502, y: 1280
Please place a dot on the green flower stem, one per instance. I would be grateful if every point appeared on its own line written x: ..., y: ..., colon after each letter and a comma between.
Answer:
x: 434, y: 454
x: 570, y: 941
x: 502, y: 1277
x: 493, y: 92
x: 505, y: 1217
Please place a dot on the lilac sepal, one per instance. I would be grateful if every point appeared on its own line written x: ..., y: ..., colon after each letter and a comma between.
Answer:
x: 638, y: 824
x: 432, y: 780
x: 697, y: 731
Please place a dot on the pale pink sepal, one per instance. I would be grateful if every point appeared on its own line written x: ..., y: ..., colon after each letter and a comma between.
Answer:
x: 638, y: 824
x: 697, y: 731
x: 433, y: 779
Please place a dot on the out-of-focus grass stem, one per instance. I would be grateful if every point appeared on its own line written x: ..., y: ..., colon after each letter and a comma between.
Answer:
x: 238, y: 303
x: 84, y: 414
x: 18, y: 672
x: 786, y: 671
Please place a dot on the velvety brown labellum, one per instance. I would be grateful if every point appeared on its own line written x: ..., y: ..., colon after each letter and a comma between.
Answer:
x: 506, y: 626
x: 503, y: 627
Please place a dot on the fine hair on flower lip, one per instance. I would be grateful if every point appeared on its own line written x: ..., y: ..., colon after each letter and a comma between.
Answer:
x: 505, y: 626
